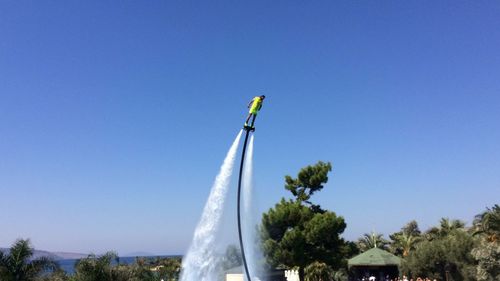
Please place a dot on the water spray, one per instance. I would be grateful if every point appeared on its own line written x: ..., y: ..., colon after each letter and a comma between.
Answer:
x: 200, y: 262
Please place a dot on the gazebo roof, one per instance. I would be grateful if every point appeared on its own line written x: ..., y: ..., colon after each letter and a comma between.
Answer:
x: 374, y: 257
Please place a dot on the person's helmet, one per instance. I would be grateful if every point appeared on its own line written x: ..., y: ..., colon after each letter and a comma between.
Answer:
x: 262, y: 97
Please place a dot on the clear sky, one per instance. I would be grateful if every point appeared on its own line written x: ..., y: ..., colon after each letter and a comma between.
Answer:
x: 116, y: 115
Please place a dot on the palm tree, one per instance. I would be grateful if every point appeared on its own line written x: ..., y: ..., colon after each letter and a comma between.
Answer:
x: 96, y: 267
x: 372, y: 240
x: 446, y: 227
x: 411, y: 228
x: 405, y: 240
x: 488, y: 223
x: 18, y: 264
x: 107, y: 268
x: 404, y: 243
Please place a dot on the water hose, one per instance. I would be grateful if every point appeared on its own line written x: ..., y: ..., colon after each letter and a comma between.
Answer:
x: 239, y: 195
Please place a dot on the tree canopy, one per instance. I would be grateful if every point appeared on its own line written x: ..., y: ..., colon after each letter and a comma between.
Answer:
x: 372, y: 240
x: 486, y: 228
x: 18, y: 265
x: 404, y: 241
x: 297, y: 232
x: 451, y: 253
x: 309, y: 180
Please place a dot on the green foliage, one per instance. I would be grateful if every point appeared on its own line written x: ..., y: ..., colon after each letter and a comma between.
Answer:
x: 318, y: 271
x: 488, y: 224
x: 232, y: 258
x: 309, y: 180
x: 486, y: 228
x: 298, y: 234
x: 372, y: 240
x: 106, y: 268
x: 136, y: 272
x: 322, y: 236
x: 17, y: 265
x: 487, y: 255
x: 283, y: 240
x: 467, y: 254
x: 95, y: 267
x: 169, y: 269
x: 404, y: 241
x: 294, y: 236
x: 452, y: 253
x: 411, y: 228
x: 340, y: 275
x: 58, y: 275
x: 445, y: 228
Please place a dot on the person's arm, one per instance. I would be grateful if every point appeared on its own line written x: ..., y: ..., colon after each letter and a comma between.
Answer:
x: 250, y: 104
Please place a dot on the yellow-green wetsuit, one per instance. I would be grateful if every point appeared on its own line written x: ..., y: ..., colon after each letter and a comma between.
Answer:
x: 256, y: 105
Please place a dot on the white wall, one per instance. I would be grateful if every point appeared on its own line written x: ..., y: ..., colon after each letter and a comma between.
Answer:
x: 234, y: 277
x: 292, y: 275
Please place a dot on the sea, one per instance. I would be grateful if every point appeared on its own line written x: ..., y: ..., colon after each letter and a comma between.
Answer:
x: 69, y: 265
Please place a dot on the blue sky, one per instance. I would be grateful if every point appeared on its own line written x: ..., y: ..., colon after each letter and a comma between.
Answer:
x: 116, y: 115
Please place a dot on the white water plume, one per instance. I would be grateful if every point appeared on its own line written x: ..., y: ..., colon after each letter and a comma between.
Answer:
x: 250, y: 235
x: 200, y: 262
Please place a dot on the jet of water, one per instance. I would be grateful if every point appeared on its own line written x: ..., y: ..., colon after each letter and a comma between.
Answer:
x: 200, y: 262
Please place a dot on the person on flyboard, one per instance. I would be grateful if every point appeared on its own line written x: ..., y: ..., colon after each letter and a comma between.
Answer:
x: 255, y: 105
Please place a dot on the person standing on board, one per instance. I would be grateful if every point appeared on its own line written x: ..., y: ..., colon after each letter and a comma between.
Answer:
x: 255, y: 105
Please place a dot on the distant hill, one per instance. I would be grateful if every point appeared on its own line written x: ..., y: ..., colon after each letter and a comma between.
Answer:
x: 69, y: 256
x: 54, y: 255
x: 140, y: 254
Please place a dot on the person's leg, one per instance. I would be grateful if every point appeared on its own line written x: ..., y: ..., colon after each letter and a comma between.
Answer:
x: 253, y: 120
x: 248, y: 118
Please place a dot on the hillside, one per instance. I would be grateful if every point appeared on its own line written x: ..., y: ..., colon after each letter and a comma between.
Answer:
x: 53, y: 255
